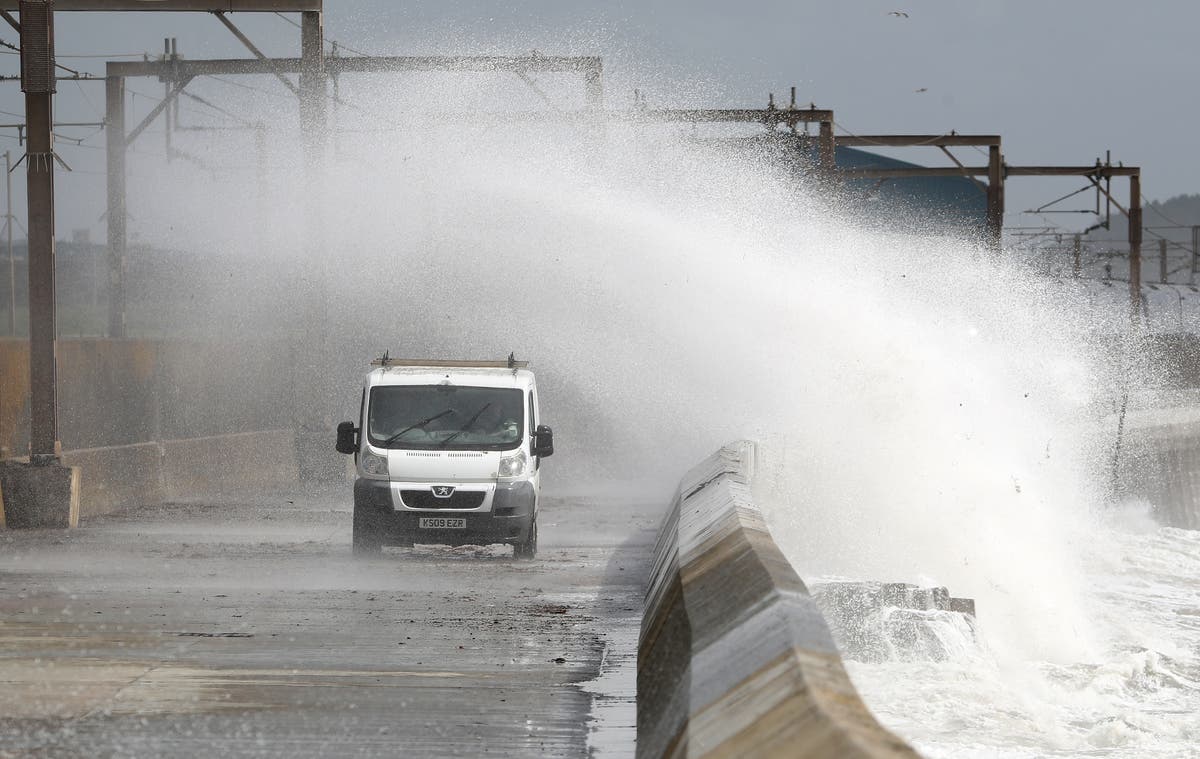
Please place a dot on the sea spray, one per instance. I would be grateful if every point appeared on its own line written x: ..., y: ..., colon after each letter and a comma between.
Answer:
x: 927, y: 409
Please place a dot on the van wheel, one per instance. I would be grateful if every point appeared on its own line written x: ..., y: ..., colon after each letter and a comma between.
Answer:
x: 527, y: 549
x: 367, y: 540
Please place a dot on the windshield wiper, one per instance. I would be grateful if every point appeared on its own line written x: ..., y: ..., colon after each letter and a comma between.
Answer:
x: 419, y: 424
x: 474, y: 418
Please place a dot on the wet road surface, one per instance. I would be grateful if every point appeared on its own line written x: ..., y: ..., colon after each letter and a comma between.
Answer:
x: 242, y: 626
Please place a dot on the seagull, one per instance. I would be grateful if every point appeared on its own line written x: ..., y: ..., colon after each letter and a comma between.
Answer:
x: 898, y: 14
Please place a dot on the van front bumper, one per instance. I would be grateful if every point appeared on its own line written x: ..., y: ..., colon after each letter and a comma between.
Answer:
x: 509, y: 520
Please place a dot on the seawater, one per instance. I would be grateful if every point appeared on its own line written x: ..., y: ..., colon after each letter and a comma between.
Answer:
x: 1136, y: 696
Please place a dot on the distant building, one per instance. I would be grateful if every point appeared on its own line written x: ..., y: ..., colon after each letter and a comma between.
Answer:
x: 955, y: 205
x: 920, y: 204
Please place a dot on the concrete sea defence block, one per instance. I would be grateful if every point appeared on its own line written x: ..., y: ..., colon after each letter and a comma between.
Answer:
x: 219, y: 462
x: 881, y: 621
x: 39, y: 495
x: 14, y: 395
x: 118, y: 477
x: 734, y: 658
x: 1161, y: 464
x: 106, y: 392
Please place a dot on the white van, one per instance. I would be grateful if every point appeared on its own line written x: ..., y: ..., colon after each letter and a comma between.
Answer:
x: 447, y: 452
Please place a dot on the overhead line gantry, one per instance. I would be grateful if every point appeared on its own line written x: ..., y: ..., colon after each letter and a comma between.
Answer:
x: 35, y: 24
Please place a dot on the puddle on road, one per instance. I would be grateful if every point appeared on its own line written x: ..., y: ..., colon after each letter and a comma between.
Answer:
x: 612, y: 728
x: 612, y: 721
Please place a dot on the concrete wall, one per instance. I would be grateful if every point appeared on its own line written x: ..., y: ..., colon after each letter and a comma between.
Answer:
x: 14, y: 396
x: 120, y: 392
x: 126, y: 476
x: 148, y: 420
x: 118, y: 477
x: 106, y: 392
x: 1160, y: 463
x: 221, y: 463
x: 734, y: 658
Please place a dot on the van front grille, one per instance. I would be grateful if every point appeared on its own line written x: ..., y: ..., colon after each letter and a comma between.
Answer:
x: 424, y: 499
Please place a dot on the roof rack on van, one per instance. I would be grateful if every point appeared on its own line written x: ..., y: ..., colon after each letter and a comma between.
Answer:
x: 512, y: 363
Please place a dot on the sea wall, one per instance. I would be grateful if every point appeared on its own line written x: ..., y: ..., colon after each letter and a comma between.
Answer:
x: 734, y: 657
x: 120, y: 392
x: 1159, y: 462
x: 114, y: 478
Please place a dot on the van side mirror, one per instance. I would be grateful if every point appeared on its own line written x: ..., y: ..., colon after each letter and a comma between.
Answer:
x: 347, y: 438
x: 543, y: 441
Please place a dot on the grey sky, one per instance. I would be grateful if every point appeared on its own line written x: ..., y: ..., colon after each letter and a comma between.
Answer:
x: 1060, y: 81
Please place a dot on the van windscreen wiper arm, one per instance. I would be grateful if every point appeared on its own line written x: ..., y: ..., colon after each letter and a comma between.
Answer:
x: 474, y: 418
x: 419, y: 424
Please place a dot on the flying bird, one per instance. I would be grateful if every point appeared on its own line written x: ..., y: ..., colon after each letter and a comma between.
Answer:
x: 921, y: 89
x: 898, y: 14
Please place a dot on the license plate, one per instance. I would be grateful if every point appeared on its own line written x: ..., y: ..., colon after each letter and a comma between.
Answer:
x: 443, y: 523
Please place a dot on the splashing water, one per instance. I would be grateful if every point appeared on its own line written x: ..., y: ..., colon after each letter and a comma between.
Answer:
x: 1137, y: 697
x: 928, y: 411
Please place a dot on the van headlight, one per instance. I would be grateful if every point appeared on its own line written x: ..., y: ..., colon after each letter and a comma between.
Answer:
x: 512, y: 466
x: 373, y: 464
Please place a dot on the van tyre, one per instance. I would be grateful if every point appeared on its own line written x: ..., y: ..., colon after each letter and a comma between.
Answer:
x: 527, y: 549
x: 367, y: 539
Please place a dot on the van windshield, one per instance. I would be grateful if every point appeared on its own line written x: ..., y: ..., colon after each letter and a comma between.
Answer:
x: 449, y: 417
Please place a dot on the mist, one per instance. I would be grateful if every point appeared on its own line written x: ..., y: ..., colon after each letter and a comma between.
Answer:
x: 927, y: 409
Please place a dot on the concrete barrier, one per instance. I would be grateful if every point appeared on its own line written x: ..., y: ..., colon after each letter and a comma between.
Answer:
x: 734, y: 657
x: 120, y: 477
x: 124, y: 391
x: 42, y: 495
x: 1161, y: 463
x: 117, y: 477
x: 218, y: 463
x: 883, y: 621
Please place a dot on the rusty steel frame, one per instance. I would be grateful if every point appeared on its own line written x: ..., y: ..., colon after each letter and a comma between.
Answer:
x: 178, y: 6
x: 40, y: 160
x: 994, y: 189
x: 998, y: 170
x: 770, y: 117
x: 314, y: 68
x: 38, y: 84
x: 361, y: 65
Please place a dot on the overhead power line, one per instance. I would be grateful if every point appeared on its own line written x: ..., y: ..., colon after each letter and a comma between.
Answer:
x: 101, y: 55
x: 85, y: 75
x: 329, y: 41
x: 216, y: 108
x: 234, y: 83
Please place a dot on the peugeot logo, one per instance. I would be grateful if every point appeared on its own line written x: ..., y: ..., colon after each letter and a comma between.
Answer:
x: 442, y: 491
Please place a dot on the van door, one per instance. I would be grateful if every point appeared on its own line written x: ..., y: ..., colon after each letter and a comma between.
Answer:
x: 537, y: 460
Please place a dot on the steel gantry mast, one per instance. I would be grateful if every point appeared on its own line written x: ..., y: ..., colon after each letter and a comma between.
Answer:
x: 997, y: 172
x: 313, y: 69
x: 994, y: 188
x: 49, y: 501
